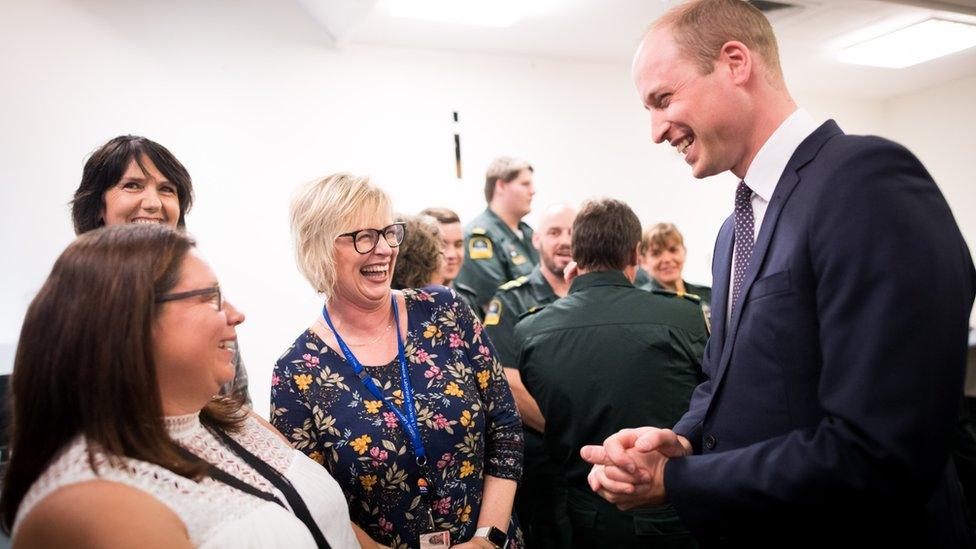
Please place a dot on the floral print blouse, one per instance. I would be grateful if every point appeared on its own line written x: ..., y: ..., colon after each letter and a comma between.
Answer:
x: 468, y: 422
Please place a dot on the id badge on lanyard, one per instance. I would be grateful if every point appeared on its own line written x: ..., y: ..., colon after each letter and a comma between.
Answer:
x: 407, y: 419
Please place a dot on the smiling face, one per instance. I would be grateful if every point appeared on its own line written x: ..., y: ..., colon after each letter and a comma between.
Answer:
x: 193, y: 341
x: 554, y: 239
x: 452, y: 244
x: 363, y: 280
x: 142, y: 197
x: 702, y: 116
x: 664, y: 263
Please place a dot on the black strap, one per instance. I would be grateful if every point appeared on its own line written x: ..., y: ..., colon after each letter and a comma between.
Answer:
x: 221, y: 476
x: 270, y: 474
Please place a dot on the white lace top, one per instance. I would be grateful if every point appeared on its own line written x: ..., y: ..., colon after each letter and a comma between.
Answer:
x: 216, y: 515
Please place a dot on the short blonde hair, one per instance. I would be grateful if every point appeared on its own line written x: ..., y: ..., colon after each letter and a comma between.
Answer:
x: 702, y: 27
x: 505, y: 168
x: 320, y: 211
x: 659, y: 236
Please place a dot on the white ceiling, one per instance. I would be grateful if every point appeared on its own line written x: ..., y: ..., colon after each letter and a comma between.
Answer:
x: 607, y: 31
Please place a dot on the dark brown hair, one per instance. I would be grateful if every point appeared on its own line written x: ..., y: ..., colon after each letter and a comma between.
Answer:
x: 660, y: 236
x: 702, y: 27
x: 605, y: 235
x: 106, y: 166
x: 504, y: 168
x: 84, y: 362
x: 419, y: 258
x: 442, y: 215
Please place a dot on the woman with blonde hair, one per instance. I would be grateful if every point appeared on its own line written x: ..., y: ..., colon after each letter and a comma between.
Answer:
x: 397, y: 393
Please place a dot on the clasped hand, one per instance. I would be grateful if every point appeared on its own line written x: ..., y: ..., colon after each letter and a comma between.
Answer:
x: 628, y: 470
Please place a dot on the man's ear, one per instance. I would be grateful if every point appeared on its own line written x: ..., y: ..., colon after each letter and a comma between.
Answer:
x: 736, y: 59
x: 635, y: 255
x: 537, y: 241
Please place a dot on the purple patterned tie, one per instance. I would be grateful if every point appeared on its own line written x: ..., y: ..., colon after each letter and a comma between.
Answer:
x: 744, y: 237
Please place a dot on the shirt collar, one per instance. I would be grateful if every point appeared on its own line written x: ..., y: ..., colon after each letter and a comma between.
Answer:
x: 540, y: 286
x: 599, y: 278
x: 771, y: 160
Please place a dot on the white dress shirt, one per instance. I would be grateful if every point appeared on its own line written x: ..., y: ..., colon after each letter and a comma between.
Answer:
x: 766, y: 169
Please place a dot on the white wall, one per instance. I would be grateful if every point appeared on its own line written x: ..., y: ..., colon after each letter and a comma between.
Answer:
x: 259, y: 104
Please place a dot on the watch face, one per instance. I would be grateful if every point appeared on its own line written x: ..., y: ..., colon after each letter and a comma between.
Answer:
x: 497, y: 537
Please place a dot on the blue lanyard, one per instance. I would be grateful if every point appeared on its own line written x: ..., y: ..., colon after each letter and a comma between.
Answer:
x: 408, y: 421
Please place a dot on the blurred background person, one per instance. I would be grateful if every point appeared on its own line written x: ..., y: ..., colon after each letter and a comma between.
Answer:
x: 541, y: 498
x: 397, y: 393
x: 662, y: 256
x: 452, y: 242
x: 605, y: 357
x: 419, y: 258
x: 118, y: 440
x: 132, y: 179
x: 498, y: 244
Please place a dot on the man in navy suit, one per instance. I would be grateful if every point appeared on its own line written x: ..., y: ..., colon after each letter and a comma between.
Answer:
x: 842, y: 292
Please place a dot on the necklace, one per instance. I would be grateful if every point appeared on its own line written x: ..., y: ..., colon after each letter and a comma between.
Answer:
x: 372, y: 341
x: 386, y: 330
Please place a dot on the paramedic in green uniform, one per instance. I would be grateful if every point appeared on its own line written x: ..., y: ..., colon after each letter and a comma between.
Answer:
x: 540, y: 502
x: 497, y: 243
x: 605, y: 357
x: 662, y: 256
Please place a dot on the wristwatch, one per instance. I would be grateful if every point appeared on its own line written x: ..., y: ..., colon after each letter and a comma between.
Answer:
x: 494, y: 536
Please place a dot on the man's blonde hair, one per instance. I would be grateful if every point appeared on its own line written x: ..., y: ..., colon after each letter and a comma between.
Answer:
x: 320, y: 211
x: 702, y: 27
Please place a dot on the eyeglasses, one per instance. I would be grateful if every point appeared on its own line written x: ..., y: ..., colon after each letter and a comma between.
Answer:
x: 213, y: 290
x: 365, y: 240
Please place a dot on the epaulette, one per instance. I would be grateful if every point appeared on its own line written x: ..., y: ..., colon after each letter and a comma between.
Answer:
x: 520, y: 281
x: 478, y: 230
x: 694, y: 298
x: 532, y: 311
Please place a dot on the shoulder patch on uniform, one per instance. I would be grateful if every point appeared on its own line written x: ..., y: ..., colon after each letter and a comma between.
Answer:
x: 478, y: 230
x: 532, y: 311
x: 494, y: 312
x: 520, y: 281
x: 690, y: 297
x: 480, y: 247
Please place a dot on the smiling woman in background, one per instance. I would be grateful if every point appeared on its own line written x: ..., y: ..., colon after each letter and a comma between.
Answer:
x: 118, y: 440
x: 397, y: 393
x: 662, y: 255
x: 132, y: 179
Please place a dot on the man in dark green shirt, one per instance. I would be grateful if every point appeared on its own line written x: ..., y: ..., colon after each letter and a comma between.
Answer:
x: 606, y: 357
x: 540, y: 500
x: 497, y: 243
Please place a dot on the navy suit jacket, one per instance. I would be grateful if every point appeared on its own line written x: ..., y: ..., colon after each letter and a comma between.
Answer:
x: 835, y: 384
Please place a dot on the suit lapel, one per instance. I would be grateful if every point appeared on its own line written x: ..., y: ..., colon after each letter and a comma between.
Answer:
x: 788, y: 181
x: 721, y: 271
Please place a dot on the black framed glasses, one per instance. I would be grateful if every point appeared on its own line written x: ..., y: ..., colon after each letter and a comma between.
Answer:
x: 365, y: 240
x: 218, y: 299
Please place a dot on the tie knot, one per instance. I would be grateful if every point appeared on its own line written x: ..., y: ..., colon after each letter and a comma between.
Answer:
x: 743, y: 194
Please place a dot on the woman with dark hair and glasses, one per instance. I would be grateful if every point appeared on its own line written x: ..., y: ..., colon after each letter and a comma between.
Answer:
x: 132, y: 179
x: 397, y: 393
x: 118, y: 437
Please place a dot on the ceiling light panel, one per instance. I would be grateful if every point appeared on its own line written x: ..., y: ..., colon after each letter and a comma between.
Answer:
x: 494, y: 13
x: 912, y: 45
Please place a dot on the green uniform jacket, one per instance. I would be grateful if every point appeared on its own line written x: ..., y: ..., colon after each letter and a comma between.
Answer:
x: 605, y: 357
x: 703, y: 293
x: 494, y: 254
x: 514, y: 299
